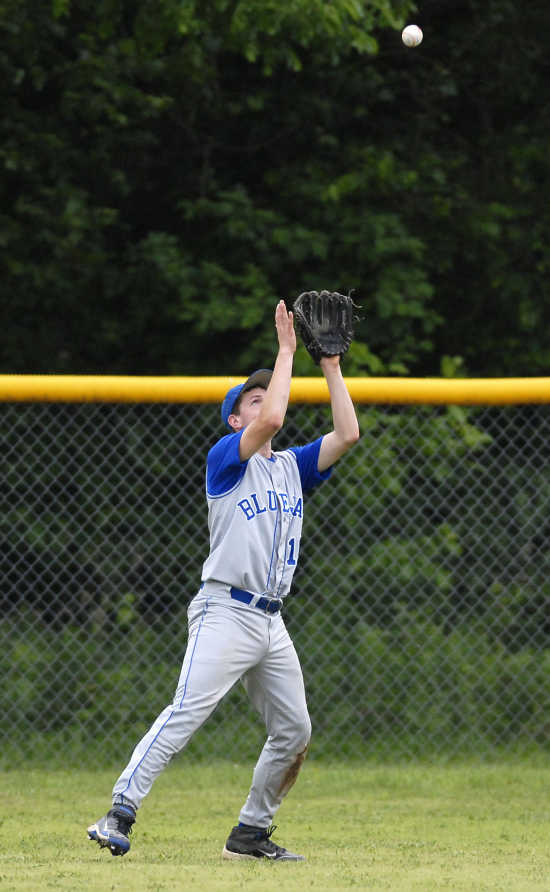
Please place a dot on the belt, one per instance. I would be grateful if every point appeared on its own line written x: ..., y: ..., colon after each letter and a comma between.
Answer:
x: 270, y: 605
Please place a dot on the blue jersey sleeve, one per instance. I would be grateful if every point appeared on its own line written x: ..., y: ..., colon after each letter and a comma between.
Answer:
x: 307, y: 458
x: 224, y: 468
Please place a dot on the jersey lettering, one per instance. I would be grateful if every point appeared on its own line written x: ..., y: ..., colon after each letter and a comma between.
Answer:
x: 291, y: 560
x: 255, y: 513
x: 251, y: 507
x: 257, y: 507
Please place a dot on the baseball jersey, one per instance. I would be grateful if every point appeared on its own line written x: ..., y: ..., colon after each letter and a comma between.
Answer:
x: 255, y: 513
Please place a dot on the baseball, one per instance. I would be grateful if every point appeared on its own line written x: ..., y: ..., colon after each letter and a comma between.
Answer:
x: 411, y: 35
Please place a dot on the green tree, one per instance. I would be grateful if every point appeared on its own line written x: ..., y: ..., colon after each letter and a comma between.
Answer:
x: 170, y: 170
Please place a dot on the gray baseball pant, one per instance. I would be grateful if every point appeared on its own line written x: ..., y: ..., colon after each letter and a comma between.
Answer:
x: 229, y: 641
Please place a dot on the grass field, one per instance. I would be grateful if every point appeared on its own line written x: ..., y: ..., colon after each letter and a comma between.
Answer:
x: 464, y: 826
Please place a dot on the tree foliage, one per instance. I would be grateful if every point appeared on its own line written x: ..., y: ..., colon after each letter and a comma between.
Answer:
x: 171, y: 169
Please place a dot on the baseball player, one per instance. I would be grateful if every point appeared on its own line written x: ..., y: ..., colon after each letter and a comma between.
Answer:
x: 236, y: 631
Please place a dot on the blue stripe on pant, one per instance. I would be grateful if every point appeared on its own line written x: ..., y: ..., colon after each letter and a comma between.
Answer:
x: 227, y: 643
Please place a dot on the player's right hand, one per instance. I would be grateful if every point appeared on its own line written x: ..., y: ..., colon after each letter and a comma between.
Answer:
x: 284, y: 323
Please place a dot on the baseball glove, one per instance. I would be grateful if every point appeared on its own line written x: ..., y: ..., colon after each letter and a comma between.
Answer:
x: 325, y: 322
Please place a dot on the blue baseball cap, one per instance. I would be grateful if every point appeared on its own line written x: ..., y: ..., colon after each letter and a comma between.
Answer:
x: 259, y: 378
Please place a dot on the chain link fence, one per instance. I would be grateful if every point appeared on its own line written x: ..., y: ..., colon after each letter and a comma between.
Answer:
x: 420, y: 609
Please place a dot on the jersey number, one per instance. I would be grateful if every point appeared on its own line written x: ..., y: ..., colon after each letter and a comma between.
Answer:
x: 291, y: 559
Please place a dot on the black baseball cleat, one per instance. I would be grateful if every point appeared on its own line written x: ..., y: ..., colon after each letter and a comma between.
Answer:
x: 113, y: 829
x: 255, y: 842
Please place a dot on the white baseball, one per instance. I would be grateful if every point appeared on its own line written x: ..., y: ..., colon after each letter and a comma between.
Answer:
x: 411, y: 35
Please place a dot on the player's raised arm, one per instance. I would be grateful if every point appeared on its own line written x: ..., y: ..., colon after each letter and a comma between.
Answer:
x: 325, y: 322
x: 346, y: 427
x: 262, y: 413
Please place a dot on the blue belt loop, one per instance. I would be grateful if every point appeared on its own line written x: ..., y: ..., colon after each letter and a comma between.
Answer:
x: 270, y: 605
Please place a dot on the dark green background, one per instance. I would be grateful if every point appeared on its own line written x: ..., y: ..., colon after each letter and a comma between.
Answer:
x: 170, y: 169
x: 420, y: 607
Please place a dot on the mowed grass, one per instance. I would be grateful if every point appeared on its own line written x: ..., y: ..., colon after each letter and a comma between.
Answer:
x: 465, y: 826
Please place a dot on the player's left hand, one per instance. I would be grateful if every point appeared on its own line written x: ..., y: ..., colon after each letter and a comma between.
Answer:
x: 329, y: 362
x: 325, y: 322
